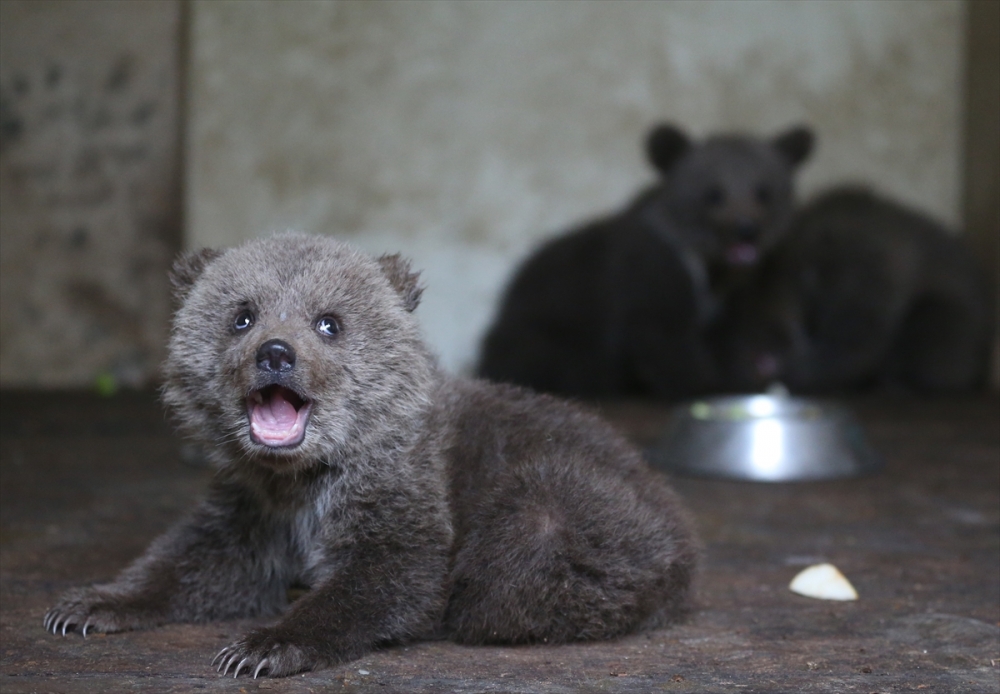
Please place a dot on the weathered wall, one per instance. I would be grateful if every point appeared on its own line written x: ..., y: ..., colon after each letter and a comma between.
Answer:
x: 89, y: 194
x: 463, y: 133
x: 460, y: 133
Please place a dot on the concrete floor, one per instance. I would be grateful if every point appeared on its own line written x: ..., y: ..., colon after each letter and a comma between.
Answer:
x: 86, y: 483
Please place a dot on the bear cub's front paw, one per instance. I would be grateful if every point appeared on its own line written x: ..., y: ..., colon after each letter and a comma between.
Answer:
x: 90, y: 609
x: 264, y: 651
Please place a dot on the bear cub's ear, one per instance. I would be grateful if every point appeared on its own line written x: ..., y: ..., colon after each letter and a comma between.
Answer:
x: 188, y: 268
x: 402, y: 279
x: 664, y: 146
x: 795, y: 144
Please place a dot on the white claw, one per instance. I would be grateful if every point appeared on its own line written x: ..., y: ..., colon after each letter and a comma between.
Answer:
x: 229, y: 663
x: 65, y: 624
x: 45, y: 622
x: 219, y: 656
x: 239, y: 667
x: 260, y: 665
x: 85, y: 625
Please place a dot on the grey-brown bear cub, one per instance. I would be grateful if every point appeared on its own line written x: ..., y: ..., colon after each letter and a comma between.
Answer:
x: 412, y: 503
x: 626, y: 305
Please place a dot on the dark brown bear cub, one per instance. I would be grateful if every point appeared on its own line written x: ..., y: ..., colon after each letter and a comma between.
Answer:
x: 412, y: 503
x: 863, y: 293
x: 627, y: 304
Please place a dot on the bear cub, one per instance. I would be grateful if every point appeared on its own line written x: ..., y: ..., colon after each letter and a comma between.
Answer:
x: 413, y: 504
x: 864, y: 292
x: 626, y: 304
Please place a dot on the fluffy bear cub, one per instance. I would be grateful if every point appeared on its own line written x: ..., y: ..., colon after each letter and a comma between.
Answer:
x: 413, y: 504
x: 864, y: 292
x: 625, y: 305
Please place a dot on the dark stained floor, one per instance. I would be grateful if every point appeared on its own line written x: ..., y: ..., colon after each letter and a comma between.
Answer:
x: 86, y: 483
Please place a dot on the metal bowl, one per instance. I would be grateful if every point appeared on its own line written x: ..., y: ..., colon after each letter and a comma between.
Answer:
x: 766, y: 438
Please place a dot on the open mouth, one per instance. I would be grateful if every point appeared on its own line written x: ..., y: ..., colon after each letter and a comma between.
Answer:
x: 741, y: 253
x: 278, y: 416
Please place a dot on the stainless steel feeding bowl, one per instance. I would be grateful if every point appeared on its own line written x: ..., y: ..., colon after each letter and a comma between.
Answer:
x: 766, y: 438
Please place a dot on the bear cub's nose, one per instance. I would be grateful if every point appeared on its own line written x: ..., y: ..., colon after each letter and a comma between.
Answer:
x: 275, y: 356
x: 747, y: 231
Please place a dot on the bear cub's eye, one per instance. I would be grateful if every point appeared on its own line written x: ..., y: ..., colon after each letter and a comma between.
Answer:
x: 244, y: 319
x: 715, y: 196
x: 328, y: 326
x: 763, y: 195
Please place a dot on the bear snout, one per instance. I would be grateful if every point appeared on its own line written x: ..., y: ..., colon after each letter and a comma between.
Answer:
x: 275, y: 356
x: 747, y: 232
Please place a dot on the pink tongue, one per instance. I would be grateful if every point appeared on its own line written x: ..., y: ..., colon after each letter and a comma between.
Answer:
x: 275, y: 421
x: 741, y: 254
x: 767, y: 365
x: 276, y: 414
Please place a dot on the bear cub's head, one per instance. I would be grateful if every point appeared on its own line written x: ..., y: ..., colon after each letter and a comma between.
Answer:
x: 729, y: 198
x: 295, y: 349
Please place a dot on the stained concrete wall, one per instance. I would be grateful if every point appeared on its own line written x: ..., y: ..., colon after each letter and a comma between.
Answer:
x: 464, y: 133
x: 460, y: 133
x: 89, y: 189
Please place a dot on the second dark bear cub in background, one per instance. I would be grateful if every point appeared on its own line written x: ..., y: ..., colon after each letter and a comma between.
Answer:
x: 623, y: 305
x: 864, y: 292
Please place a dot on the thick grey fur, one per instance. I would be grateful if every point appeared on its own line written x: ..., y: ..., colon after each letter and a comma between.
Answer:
x: 626, y: 304
x: 418, y: 505
x: 865, y: 292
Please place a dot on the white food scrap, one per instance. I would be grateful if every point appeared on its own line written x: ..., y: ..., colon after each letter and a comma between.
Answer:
x: 823, y: 582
